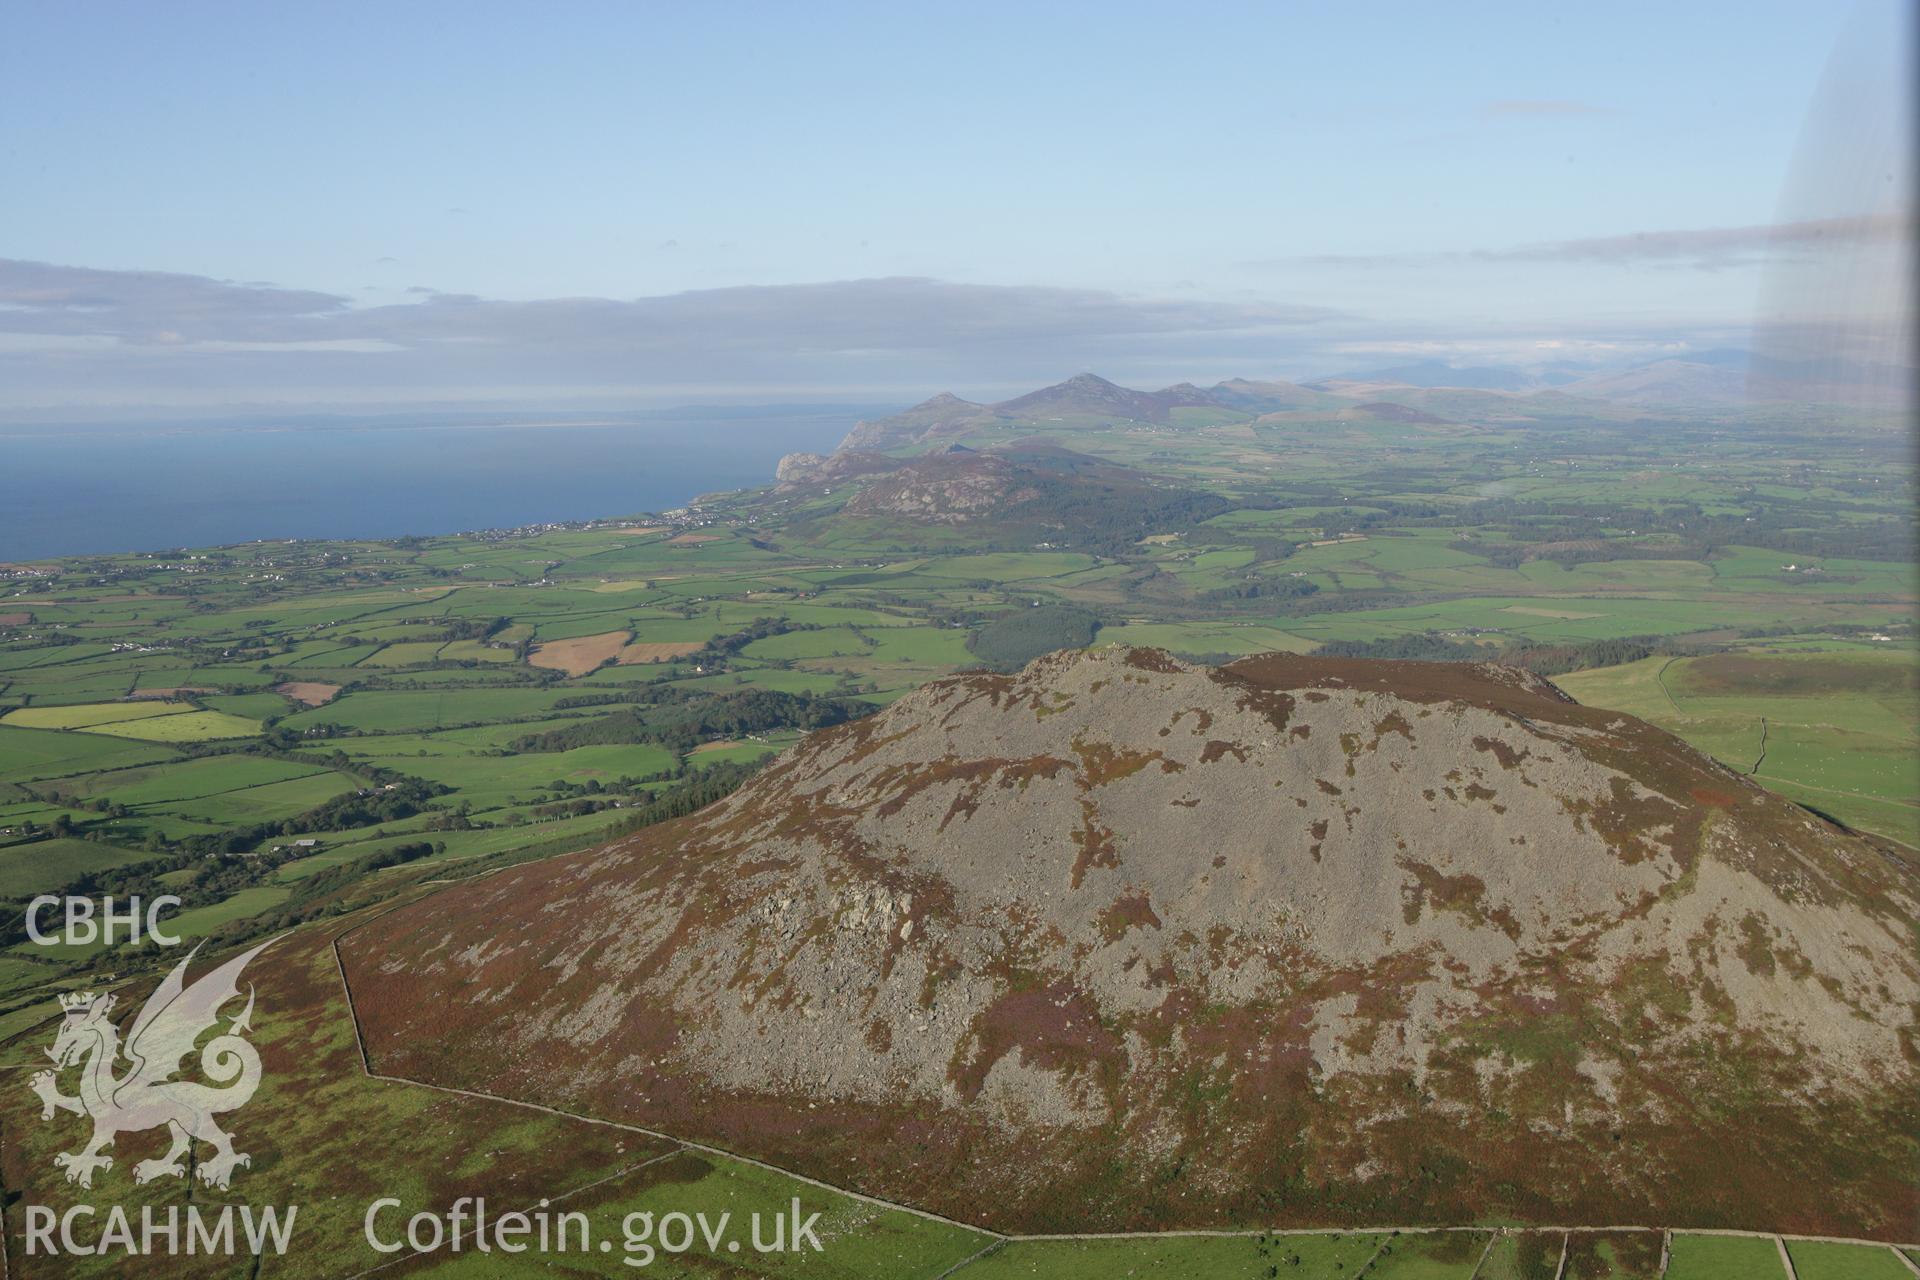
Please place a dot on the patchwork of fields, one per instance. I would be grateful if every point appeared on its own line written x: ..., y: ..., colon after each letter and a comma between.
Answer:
x: 544, y: 678
x: 275, y: 732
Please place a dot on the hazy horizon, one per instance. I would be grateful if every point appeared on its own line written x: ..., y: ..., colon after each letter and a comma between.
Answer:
x: 633, y: 207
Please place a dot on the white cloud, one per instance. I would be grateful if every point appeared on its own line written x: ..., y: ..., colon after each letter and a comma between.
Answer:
x: 78, y: 332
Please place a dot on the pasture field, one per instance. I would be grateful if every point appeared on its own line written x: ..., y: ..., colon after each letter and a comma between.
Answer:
x: 490, y: 782
x: 464, y: 651
x: 265, y: 802
x: 1181, y: 1257
x: 647, y: 652
x: 91, y: 715
x: 198, y: 922
x: 187, y: 726
x: 18, y: 974
x: 741, y: 752
x: 189, y: 925
x: 28, y: 755
x: 42, y: 866
x: 1819, y: 1260
x: 410, y: 653
x: 1838, y: 730
x: 1724, y: 1258
x: 248, y: 706
x: 828, y: 642
x: 374, y: 711
x: 186, y: 780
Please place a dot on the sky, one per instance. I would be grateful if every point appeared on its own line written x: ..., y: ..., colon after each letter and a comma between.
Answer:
x: 224, y: 206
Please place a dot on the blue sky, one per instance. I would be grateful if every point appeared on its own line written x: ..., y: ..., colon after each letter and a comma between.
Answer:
x: 1186, y: 190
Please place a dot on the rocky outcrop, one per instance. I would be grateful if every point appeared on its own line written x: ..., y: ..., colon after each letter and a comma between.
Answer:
x: 1119, y: 942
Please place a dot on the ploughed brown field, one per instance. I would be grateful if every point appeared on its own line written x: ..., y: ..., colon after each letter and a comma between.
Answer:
x: 641, y: 653
x: 579, y: 656
x: 311, y: 692
x: 1118, y: 943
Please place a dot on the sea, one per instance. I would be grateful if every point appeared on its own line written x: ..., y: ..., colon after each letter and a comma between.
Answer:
x: 77, y: 490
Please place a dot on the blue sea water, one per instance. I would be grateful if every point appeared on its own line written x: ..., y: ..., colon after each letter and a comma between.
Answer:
x: 84, y: 490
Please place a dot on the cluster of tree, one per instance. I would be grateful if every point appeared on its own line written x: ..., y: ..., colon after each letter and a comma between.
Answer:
x: 681, y: 719
x: 1014, y: 639
x: 1569, y: 552
x: 722, y: 647
x: 323, y: 884
x: 646, y: 693
x: 577, y: 807
x: 1558, y: 659
x: 215, y: 878
x: 320, y: 894
x: 1261, y: 588
x: 700, y: 788
x: 1544, y: 659
x: 1266, y: 548
x: 1113, y: 522
x: 1096, y: 509
x: 459, y: 628
x: 1424, y: 646
x: 458, y: 818
x: 1380, y: 513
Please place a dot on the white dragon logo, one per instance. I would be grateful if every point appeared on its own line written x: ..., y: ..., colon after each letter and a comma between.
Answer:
x: 146, y: 1096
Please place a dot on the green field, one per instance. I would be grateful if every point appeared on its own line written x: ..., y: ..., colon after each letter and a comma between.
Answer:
x: 188, y: 925
x: 89, y: 716
x: 1181, y: 1257
x: 1724, y: 1258
x: 1819, y: 1260
x: 189, y: 726
x: 186, y: 780
x: 1835, y: 730
x: 375, y: 712
x: 44, y: 865
x: 30, y: 755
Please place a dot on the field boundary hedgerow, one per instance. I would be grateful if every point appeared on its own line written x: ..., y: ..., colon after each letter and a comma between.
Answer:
x: 997, y: 1240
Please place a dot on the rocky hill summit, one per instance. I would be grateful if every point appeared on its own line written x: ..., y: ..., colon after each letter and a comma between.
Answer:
x: 1120, y: 943
x: 1029, y: 492
x: 1083, y: 396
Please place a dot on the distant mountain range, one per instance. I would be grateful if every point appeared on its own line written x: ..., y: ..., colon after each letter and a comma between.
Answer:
x: 1091, y: 401
x: 1428, y: 392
